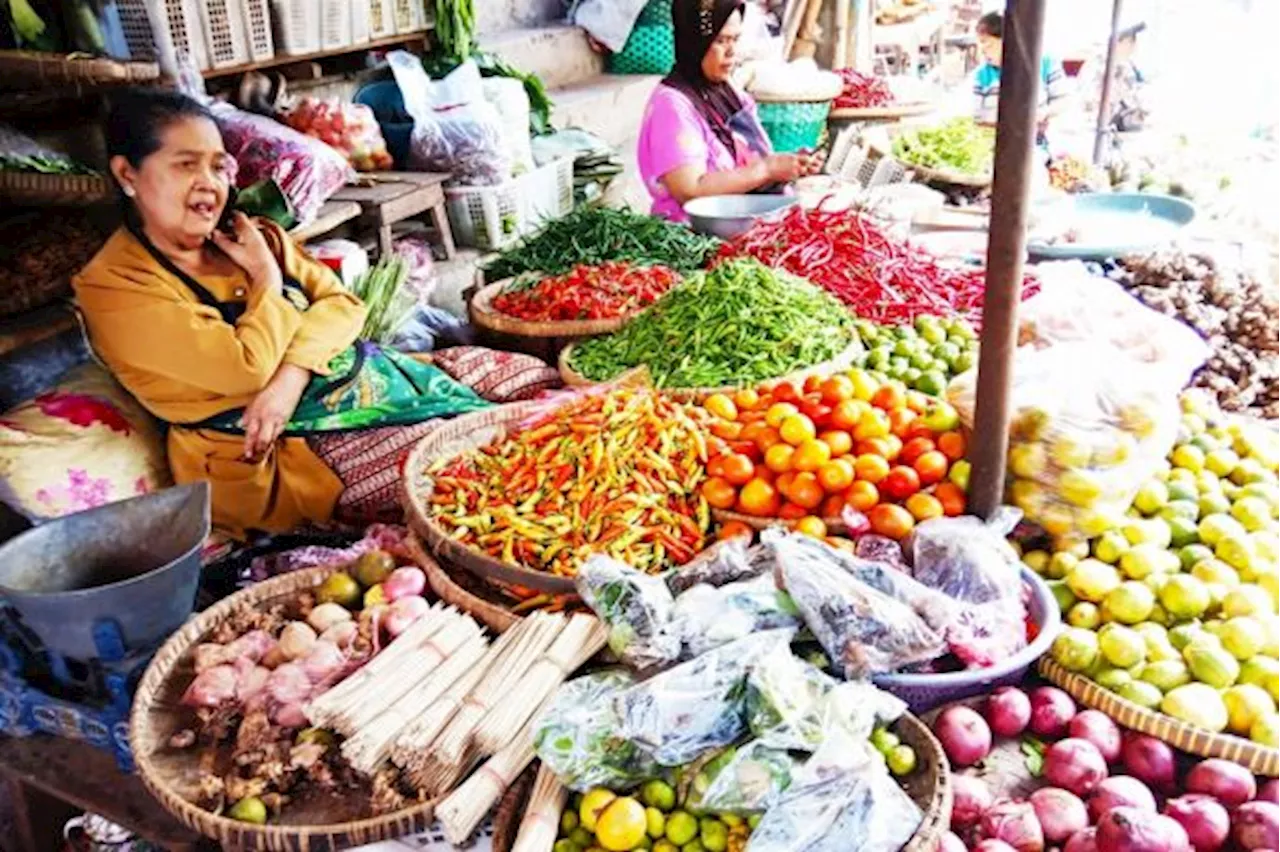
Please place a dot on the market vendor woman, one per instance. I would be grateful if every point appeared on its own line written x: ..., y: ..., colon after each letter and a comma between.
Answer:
x: 986, y: 79
x: 700, y: 134
x: 230, y: 333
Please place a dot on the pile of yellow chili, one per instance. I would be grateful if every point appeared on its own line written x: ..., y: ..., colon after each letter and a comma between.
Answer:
x: 617, y: 473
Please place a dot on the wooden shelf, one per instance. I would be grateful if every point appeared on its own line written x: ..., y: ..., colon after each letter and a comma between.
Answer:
x: 280, y: 59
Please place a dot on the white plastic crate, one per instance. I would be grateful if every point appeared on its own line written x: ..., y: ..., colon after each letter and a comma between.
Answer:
x: 360, y: 11
x: 335, y: 24
x: 382, y: 19
x: 297, y: 25
x: 225, y: 34
x: 493, y: 217
x: 168, y: 32
x: 410, y: 16
x: 257, y: 27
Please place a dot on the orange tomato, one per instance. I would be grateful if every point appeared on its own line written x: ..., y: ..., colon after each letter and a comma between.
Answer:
x: 951, y: 497
x: 862, y: 495
x: 914, y: 449
x: 785, y: 392
x: 832, y: 506
x: 890, y: 521
x: 719, y: 493
x: 811, y: 455
x: 953, y: 445
x: 924, y: 506
x: 715, y: 466
x: 811, y: 526
x: 767, y: 438
x: 721, y: 406
x: 752, y: 431
x: 746, y: 399
x: 812, y: 384
x: 758, y: 498
x: 893, y: 445
x: 932, y: 467
x: 891, y: 395
x: 764, y: 473
x: 841, y: 443
x: 873, y: 424
x: 806, y: 491
x: 901, y: 482
x: 734, y: 529
x: 837, y: 389
x: 797, y: 429
x: 745, y: 417
x: 717, y: 447
x: 778, y: 412
x: 845, y: 415
x: 727, y: 429
x: 836, y: 475
x: 871, y: 468
x: 873, y: 446
x: 778, y: 457
x: 738, y: 469
x: 817, y: 411
x: 792, y: 512
x: 746, y: 448
x: 917, y: 401
x: 900, y: 419
x: 918, y: 429
x: 783, y: 482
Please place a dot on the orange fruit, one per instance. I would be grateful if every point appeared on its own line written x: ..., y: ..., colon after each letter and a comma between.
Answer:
x: 746, y: 399
x: 746, y: 448
x: 727, y: 429
x: 721, y: 406
x: 719, y: 493
x: 900, y: 483
x: 792, y: 512
x: 832, y: 506
x: 764, y: 473
x: 924, y: 506
x: 917, y: 401
x: 811, y: 455
x: 734, y: 529
x: 812, y: 526
x: 778, y: 457
x: 862, y: 495
x: 841, y: 443
x: 778, y: 412
x: 846, y: 414
x: 812, y: 384
x: 715, y: 466
x: 872, y: 424
x: 751, y: 431
x: 871, y: 468
x: 738, y: 469
x: 873, y: 446
x: 953, y: 445
x: 951, y: 498
x: 783, y: 482
x: 796, y: 429
x: 837, y: 389
x: 932, y: 467
x: 900, y: 419
x: 914, y: 449
x: 806, y: 491
x: 767, y: 438
x: 891, y: 395
x: 890, y: 521
x: 758, y: 498
x: 918, y: 429
x: 836, y: 475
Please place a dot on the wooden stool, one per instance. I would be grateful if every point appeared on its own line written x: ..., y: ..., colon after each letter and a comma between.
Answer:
x: 392, y: 197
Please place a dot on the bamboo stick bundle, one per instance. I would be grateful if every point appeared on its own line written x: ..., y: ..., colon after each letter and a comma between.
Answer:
x: 541, y: 821
x: 410, y: 749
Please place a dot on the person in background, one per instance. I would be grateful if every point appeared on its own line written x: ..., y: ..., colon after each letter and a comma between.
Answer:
x: 700, y: 135
x: 1128, y: 109
x: 986, y: 79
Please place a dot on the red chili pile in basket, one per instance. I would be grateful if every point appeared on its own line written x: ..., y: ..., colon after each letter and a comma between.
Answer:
x: 605, y: 291
x: 863, y: 90
x: 880, y: 277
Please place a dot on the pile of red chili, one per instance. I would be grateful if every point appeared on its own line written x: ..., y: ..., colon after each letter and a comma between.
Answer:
x: 880, y: 277
x: 604, y: 291
x: 863, y: 90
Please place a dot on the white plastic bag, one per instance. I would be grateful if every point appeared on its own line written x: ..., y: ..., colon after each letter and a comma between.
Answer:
x: 609, y: 21
x: 511, y: 101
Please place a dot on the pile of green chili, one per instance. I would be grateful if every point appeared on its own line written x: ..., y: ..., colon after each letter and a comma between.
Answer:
x: 591, y: 235
x: 739, y: 324
x: 959, y: 145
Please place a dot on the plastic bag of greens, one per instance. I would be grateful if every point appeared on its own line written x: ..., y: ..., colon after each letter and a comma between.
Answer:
x: 697, y: 706
x: 744, y: 780
x: 724, y: 562
x: 968, y: 559
x: 786, y: 700
x: 636, y: 607
x: 859, y: 707
x: 577, y: 735
x: 708, y: 617
x: 842, y: 798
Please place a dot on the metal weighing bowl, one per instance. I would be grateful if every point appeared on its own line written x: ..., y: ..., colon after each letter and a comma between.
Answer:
x: 1079, y: 208
x: 726, y: 216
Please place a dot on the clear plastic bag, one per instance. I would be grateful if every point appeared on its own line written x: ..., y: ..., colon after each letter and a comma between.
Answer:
x: 842, y: 798
x: 697, y: 706
x: 858, y: 707
x: 637, y: 608
x: 724, y: 562
x: 351, y: 129
x: 744, y: 780
x: 968, y: 559
x: 980, y: 635
x: 786, y: 701
x: 578, y: 735
x: 864, y: 630
x: 707, y: 617
x: 510, y: 101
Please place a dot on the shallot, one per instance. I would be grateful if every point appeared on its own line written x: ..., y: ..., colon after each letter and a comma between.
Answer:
x: 1014, y: 823
x: 405, y: 611
x: 1206, y: 821
x: 1270, y: 792
x: 326, y: 615
x: 1135, y: 830
x: 1229, y: 783
x: 1061, y: 813
x: 289, y: 684
x: 991, y: 845
x: 1149, y: 760
x: 1051, y: 711
x: 1097, y: 727
x: 209, y: 654
x: 254, y: 645
x: 1255, y: 825
x: 970, y: 799
x: 296, y: 640
x: 323, y: 663
x: 1008, y: 711
x: 964, y: 735
x: 211, y: 687
x: 1074, y: 764
x: 1120, y: 791
x: 1083, y: 841
x: 251, y: 680
x: 948, y: 842
x: 341, y: 634
x: 403, y: 583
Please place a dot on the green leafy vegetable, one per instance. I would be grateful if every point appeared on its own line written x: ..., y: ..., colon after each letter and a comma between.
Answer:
x: 43, y: 165
x: 959, y: 145
x: 379, y: 289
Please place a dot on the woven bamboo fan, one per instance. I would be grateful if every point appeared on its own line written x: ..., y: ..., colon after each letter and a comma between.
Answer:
x: 33, y: 67
x: 39, y: 189
x: 494, y: 616
x: 485, y: 315
x: 1257, y: 758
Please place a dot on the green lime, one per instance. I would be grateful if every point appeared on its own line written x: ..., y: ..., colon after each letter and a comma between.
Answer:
x: 1180, y: 492
x: 1211, y: 665
x: 1184, y: 634
x: 693, y: 846
x: 1166, y: 674
x: 1151, y: 497
x: 933, y: 383
x: 1266, y: 730
x: 1218, y: 526
x: 658, y: 794
x: 1188, y: 509
x: 1129, y: 603
x: 714, y: 835
x: 655, y: 822
x: 1182, y: 531
x: 373, y: 567
x: 1062, y: 594
x: 1243, y: 637
x: 1092, y: 580
x: 1212, y: 570
x: 1110, y: 547
x: 568, y: 821
x: 884, y: 741
x: 1183, y: 596
x: 1264, y: 672
x: 339, y: 588
x: 564, y: 844
x: 1112, y: 679
x: 1191, y: 554
x: 682, y: 827
x: 1061, y: 564
x: 249, y: 809
x: 1084, y: 615
x: 1188, y: 457
x: 1247, y: 599
x: 902, y: 760
x: 1197, y: 704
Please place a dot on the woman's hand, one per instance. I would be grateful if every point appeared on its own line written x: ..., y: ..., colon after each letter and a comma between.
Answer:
x: 811, y: 163
x: 249, y: 250
x: 271, y: 409
x: 782, y: 168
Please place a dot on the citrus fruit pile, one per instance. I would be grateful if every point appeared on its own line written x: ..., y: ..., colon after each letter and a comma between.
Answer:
x: 1176, y: 609
x: 804, y: 453
x: 647, y: 819
x: 924, y: 356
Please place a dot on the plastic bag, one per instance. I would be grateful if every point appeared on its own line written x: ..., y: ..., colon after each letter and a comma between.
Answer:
x: 697, y: 706
x: 307, y: 171
x: 349, y: 128
x: 724, y: 562
x: 1089, y: 425
x: 637, y: 608
x: 786, y: 701
x: 608, y: 21
x: 707, y: 617
x: 744, y: 780
x: 980, y: 635
x: 511, y: 102
x: 858, y: 708
x: 967, y: 559
x: 578, y: 737
x: 865, y: 631
x: 842, y: 798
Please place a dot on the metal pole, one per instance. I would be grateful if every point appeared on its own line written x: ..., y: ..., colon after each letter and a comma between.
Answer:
x: 1104, y: 103
x: 1006, y: 247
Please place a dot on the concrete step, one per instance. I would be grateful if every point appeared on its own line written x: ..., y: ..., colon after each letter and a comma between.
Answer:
x: 493, y: 16
x: 607, y: 105
x: 560, y: 54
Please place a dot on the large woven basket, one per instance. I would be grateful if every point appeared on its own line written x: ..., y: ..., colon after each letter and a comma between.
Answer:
x: 1256, y: 757
x: 881, y: 113
x: 932, y: 175
x: 841, y: 362
x: 486, y: 316
x: 170, y: 776
x: 37, y: 69
x: 929, y: 787
x: 36, y: 188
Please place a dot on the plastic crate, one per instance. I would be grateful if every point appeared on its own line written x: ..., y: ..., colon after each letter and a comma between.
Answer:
x: 335, y: 24
x: 297, y: 26
x: 650, y: 49
x: 168, y: 32
x: 257, y: 29
x: 360, y: 12
x: 382, y: 19
x: 493, y: 217
x: 226, y: 31
x: 409, y: 15
x: 794, y: 125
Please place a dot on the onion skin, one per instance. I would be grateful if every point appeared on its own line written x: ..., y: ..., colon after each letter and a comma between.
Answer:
x: 1120, y: 791
x: 1097, y: 727
x: 1051, y: 711
x: 1075, y: 765
x: 1150, y: 761
x: 1008, y: 711
x: 1133, y: 830
x: 1015, y: 823
x: 964, y: 735
x: 1270, y: 792
x: 1206, y: 821
x: 1255, y: 825
x: 1083, y: 841
x: 970, y: 800
x: 1060, y: 812
x: 1229, y: 783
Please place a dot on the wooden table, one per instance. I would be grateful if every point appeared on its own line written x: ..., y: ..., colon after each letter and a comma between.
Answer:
x: 44, y: 772
x: 390, y: 197
x: 331, y: 215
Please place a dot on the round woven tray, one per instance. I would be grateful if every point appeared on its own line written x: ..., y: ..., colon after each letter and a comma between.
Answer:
x: 35, y: 188
x: 486, y: 316
x: 925, y: 173
x: 892, y: 111
x: 1257, y: 758
x: 331, y: 822
x: 929, y: 787
x: 839, y: 363
x: 493, y: 615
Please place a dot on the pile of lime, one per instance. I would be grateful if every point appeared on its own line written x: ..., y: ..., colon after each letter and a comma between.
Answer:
x: 1176, y: 609
x: 924, y: 356
x: 602, y: 821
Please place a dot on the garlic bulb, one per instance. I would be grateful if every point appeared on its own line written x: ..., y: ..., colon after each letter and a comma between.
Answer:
x: 296, y: 640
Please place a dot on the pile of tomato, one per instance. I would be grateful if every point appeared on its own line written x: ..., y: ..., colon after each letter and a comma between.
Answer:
x: 803, y: 454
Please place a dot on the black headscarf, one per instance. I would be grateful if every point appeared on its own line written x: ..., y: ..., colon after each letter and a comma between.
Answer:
x: 696, y: 24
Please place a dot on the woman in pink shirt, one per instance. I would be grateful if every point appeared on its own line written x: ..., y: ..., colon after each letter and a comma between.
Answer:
x: 700, y: 134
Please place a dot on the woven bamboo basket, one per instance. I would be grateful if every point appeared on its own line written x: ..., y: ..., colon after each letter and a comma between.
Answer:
x: 334, y: 822
x: 494, y: 616
x: 925, y: 173
x: 36, y: 188
x: 883, y: 113
x: 841, y: 362
x: 485, y: 315
x: 1257, y: 758
x: 929, y: 787
x: 36, y: 68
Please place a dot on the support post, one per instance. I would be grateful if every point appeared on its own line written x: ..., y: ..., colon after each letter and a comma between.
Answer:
x: 1102, y: 129
x: 1006, y: 248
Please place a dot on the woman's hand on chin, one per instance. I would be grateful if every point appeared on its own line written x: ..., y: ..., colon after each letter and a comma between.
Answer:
x: 271, y: 410
x: 249, y: 250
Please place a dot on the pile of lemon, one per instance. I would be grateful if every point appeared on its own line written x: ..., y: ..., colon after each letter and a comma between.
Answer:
x: 648, y: 820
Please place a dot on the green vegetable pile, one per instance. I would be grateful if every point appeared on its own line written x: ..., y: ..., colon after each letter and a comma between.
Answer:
x: 592, y: 235
x: 738, y: 324
x: 925, y: 356
x: 959, y: 145
x: 380, y: 290
x: 43, y: 165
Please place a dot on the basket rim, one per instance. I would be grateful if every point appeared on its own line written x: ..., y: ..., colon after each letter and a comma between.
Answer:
x: 488, y: 317
x: 929, y: 173
x: 496, y: 617
x: 904, y: 110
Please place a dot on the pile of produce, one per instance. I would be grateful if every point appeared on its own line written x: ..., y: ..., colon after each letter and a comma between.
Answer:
x: 862, y: 91
x: 880, y: 277
x: 1072, y: 174
x: 805, y: 454
x: 604, y: 291
x: 385, y: 297
x: 617, y: 472
x: 1156, y: 800
x: 960, y: 145
x: 1175, y: 610
x: 924, y: 356
x: 1233, y: 311
x: 351, y: 129
x: 591, y: 235
x: 738, y: 324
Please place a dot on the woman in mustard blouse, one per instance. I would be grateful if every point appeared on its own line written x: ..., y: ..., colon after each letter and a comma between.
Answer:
x: 236, y: 338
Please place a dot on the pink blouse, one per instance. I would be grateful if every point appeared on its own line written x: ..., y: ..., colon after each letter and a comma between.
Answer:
x: 674, y: 134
